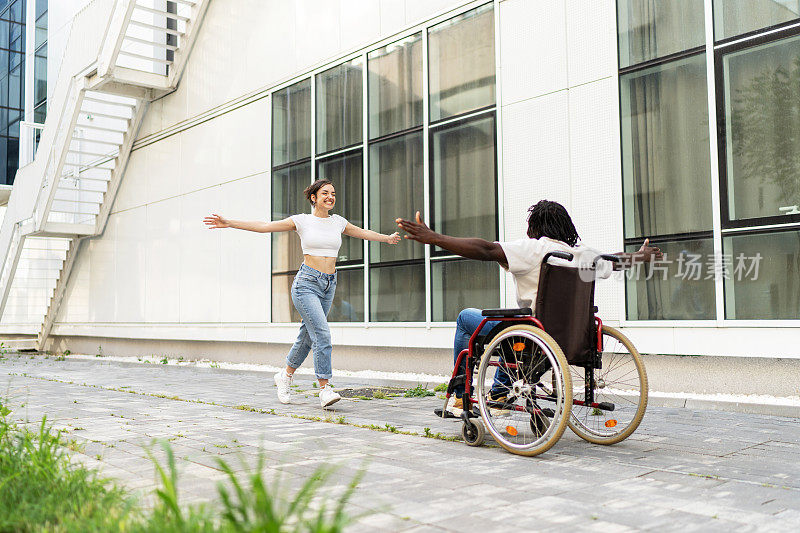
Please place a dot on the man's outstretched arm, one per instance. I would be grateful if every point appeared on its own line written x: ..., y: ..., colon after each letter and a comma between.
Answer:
x: 471, y: 248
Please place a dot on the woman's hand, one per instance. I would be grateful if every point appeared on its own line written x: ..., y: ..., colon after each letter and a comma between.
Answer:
x: 394, y: 238
x: 216, y: 221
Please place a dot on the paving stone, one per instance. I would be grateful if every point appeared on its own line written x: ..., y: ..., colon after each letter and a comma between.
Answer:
x: 685, y: 469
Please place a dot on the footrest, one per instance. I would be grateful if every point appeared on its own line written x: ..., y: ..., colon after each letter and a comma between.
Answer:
x: 606, y: 406
x: 443, y: 413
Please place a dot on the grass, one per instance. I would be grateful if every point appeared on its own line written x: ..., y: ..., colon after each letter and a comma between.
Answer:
x: 42, y: 490
x: 420, y: 391
x: 441, y: 387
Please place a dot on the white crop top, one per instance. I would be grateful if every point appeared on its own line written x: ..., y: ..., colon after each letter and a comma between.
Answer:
x: 320, y: 236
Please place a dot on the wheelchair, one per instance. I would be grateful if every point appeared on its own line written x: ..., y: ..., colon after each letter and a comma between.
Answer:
x: 536, y: 374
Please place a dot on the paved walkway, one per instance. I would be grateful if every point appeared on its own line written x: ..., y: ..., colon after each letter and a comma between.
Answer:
x: 683, y: 470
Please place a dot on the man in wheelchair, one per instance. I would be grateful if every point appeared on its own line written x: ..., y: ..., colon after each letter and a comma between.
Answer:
x: 550, y: 229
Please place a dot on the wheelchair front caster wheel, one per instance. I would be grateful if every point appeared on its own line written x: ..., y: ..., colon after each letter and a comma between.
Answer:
x: 473, y: 433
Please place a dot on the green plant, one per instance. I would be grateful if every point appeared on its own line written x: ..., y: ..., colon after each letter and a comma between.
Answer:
x: 379, y: 395
x: 427, y: 432
x: 391, y: 428
x: 597, y: 412
x: 441, y: 387
x: 214, y: 364
x: 164, y: 360
x: 420, y: 391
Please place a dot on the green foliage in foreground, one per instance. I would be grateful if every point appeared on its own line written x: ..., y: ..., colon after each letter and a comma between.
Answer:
x: 42, y: 490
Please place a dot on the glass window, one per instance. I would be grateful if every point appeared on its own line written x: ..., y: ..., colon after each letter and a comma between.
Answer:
x: 395, y: 190
x: 40, y: 75
x: 681, y: 286
x: 762, y: 130
x: 287, y: 200
x: 461, y: 284
x: 397, y: 293
x: 395, y: 87
x: 463, y: 180
x: 735, y: 17
x: 462, y: 68
x: 348, y: 302
x: 665, y: 149
x: 291, y: 123
x: 41, y: 7
x: 649, y: 29
x: 346, y: 173
x: 339, y: 106
x: 763, y: 280
x: 283, y: 309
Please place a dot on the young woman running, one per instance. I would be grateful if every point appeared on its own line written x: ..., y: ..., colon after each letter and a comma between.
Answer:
x: 315, y: 283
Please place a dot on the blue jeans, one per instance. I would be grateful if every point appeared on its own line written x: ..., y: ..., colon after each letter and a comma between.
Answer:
x: 467, y: 322
x: 312, y: 294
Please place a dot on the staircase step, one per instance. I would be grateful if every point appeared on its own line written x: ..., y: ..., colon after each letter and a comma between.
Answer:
x: 22, y: 345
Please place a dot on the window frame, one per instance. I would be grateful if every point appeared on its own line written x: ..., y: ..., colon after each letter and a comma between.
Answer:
x: 721, y: 50
x: 366, y: 142
x: 722, y: 226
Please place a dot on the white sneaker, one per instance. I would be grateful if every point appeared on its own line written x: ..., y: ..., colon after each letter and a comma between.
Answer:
x: 283, y: 381
x: 327, y: 396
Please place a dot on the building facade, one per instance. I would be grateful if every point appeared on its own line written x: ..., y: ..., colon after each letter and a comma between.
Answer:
x: 673, y: 121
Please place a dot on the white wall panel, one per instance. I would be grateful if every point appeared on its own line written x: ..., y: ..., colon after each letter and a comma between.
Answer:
x: 228, y: 147
x: 419, y: 10
x: 244, y: 269
x: 200, y: 258
x: 591, y: 40
x: 536, y: 157
x: 102, y: 291
x: 360, y: 23
x: 596, y: 183
x: 393, y: 16
x: 318, y: 36
x: 163, y: 237
x: 129, y: 261
x: 162, y: 169
x: 533, y: 54
x: 271, y: 52
x: 132, y: 190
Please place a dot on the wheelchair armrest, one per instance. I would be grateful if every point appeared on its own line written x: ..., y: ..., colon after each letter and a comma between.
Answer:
x: 606, y: 257
x: 504, y: 313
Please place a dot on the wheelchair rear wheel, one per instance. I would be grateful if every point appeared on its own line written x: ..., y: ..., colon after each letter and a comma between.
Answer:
x: 620, y: 385
x: 538, y: 392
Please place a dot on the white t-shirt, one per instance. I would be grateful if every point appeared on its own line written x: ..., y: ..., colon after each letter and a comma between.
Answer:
x: 320, y: 236
x: 525, y: 256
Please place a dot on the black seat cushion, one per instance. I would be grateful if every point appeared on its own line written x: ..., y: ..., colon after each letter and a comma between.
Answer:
x: 525, y: 311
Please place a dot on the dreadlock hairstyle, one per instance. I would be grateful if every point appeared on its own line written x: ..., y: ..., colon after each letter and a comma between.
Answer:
x: 550, y: 219
x: 314, y: 188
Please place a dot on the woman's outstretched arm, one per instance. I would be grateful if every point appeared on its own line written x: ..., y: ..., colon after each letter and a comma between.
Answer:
x: 216, y: 221
x: 369, y: 235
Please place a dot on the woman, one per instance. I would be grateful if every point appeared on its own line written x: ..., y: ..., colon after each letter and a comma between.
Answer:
x: 315, y: 282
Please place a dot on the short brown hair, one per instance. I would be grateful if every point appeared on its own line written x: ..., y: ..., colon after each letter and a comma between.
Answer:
x: 314, y: 188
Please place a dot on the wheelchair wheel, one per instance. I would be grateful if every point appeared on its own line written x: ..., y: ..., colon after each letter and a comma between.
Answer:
x: 535, y: 411
x: 473, y: 432
x: 621, y: 384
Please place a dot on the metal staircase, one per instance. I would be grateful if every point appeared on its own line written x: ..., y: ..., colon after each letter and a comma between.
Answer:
x: 65, y: 195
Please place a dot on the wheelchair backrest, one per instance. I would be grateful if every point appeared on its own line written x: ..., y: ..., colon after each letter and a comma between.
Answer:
x: 565, y: 306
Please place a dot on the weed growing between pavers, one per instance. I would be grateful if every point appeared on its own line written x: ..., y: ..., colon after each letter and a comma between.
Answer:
x: 438, y: 436
x: 42, y: 490
x: 420, y: 391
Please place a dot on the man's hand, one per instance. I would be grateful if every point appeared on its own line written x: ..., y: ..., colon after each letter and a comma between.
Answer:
x: 417, y: 231
x: 648, y: 253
